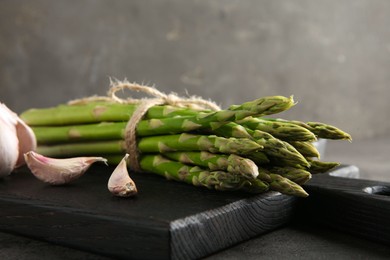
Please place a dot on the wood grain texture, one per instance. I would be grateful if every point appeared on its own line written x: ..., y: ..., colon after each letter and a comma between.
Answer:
x: 359, y: 207
x: 227, y: 225
x: 167, y: 220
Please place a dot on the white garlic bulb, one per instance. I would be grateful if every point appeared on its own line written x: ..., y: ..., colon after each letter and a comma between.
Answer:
x: 16, y: 138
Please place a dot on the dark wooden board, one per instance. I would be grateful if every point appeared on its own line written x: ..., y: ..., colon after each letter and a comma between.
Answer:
x: 356, y: 206
x: 167, y: 220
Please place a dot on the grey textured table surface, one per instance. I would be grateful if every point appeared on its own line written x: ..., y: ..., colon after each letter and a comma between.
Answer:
x: 295, y: 241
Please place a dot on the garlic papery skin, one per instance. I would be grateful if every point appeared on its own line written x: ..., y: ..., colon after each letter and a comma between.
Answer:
x: 27, y: 141
x: 9, y: 143
x: 16, y: 138
x: 120, y: 184
x: 59, y: 171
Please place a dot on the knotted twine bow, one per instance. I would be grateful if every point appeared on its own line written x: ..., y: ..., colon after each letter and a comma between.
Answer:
x: 143, y: 105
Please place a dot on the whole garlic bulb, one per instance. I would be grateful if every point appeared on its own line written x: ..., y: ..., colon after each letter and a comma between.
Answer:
x: 16, y: 138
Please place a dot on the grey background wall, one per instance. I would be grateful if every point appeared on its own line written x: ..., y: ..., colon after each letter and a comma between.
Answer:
x: 334, y: 56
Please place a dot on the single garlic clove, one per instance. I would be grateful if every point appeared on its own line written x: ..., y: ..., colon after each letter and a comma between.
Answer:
x: 59, y: 171
x: 27, y: 141
x: 120, y: 184
x: 9, y: 151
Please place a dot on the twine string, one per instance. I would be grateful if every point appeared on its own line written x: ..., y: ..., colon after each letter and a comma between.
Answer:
x: 143, y: 105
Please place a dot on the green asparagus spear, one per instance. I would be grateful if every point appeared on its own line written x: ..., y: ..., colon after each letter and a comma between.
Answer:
x: 190, y: 142
x: 116, y: 130
x: 279, y: 183
x: 279, y: 129
x: 217, y: 162
x: 154, y: 144
x: 272, y: 147
x: 83, y: 149
x: 328, y: 131
x: 321, y: 130
x: 279, y: 150
x: 297, y: 175
x: 79, y: 133
x: 307, y: 149
x: 317, y: 166
x: 105, y: 111
x: 218, y: 180
x: 285, y: 180
x: 268, y: 105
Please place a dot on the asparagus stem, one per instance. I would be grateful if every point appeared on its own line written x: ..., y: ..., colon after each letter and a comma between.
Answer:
x: 299, y: 176
x: 285, y: 186
x: 190, y: 142
x: 282, y: 130
x: 307, y: 149
x: 272, y: 147
x: 147, y: 127
x: 321, y: 130
x: 115, y: 130
x: 76, y: 133
x: 95, y: 112
x: 286, y: 180
x: 78, y: 114
x: 321, y: 166
x: 154, y: 144
x: 258, y: 157
x: 218, y: 180
x: 279, y: 150
x: 104, y: 111
x: 281, y: 184
x: 217, y: 162
x: 83, y: 149
x: 328, y: 131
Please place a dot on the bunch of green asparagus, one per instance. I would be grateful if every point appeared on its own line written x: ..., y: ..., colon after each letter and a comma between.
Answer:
x: 239, y: 148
